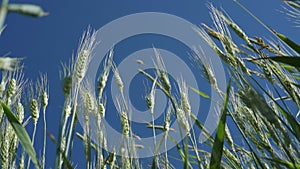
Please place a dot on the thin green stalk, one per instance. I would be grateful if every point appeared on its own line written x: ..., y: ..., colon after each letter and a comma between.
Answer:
x: 99, y: 157
x: 260, y: 22
x: 154, y: 141
x: 151, y: 99
x: 72, y: 121
x: 172, y: 99
x: 186, y: 154
x: 252, y: 15
x: 166, y: 150
x: 167, y: 93
x: 45, y: 142
x: 194, y: 145
x: 87, y: 146
x: 61, y: 133
x: 99, y: 160
x: 256, y: 157
x: 32, y: 142
x: 129, y: 141
x: 193, y: 140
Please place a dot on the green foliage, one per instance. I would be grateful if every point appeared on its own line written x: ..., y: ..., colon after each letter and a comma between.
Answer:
x: 293, y: 61
x: 200, y: 92
x: 289, y: 42
x: 217, y: 149
x: 22, y: 134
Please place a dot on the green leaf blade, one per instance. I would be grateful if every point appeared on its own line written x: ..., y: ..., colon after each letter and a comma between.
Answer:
x: 289, y: 42
x: 292, y: 61
x: 217, y: 150
x: 199, y: 92
x: 21, y: 134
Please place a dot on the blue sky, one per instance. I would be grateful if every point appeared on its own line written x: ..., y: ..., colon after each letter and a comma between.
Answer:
x: 47, y: 42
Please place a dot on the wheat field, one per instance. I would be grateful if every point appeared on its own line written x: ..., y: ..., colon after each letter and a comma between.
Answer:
x: 258, y: 125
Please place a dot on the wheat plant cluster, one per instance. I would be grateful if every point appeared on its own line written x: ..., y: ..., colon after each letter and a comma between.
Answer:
x: 261, y: 103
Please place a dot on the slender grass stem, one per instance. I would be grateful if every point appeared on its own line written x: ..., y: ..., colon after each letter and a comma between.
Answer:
x: 151, y: 104
x: 72, y: 122
x: 61, y: 133
x: 32, y: 142
x: 259, y: 21
x: 168, y: 94
x: 166, y: 150
x: 45, y: 139
x: 154, y: 139
x: 256, y: 158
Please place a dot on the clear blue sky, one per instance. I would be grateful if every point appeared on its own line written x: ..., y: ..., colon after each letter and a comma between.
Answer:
x: 48, y: 41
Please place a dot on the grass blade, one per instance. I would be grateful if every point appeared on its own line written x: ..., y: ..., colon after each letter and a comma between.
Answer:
x: 217, y: 150
x: 81, y: 137
x: 292, y: 121
x: 22, y: 135
x: 284, y: 163
x: 181, y: 152
x: 293, y: 61
x: 288, y: 41
x: 199, y: 92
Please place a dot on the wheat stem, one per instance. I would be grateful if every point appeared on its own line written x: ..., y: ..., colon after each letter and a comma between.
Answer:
x: 32, y: 142
x: 45, y: 139
x: 73, y: 114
